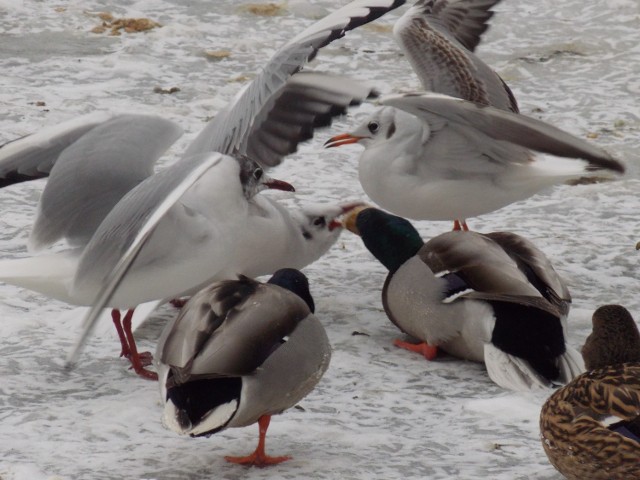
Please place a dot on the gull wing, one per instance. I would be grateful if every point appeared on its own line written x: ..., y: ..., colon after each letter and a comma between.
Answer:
x: 32, y: 156
x: 308, y: 100
x: 527, y: 132
x: 149, y: 204
x: 438, y: 38
x: 95, y: 171
x: 227, y: 132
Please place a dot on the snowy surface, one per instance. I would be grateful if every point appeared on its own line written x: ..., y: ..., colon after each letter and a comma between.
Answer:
x: 379, y: 412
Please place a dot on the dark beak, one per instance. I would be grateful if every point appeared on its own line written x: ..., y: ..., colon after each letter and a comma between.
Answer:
x: 279, y: 185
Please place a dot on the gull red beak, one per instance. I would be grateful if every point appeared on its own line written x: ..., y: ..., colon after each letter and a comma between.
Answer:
x: 279, y: 185
x: 343, y: 139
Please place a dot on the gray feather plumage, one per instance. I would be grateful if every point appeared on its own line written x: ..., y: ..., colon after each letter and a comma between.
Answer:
x: 504, y: 126
x: 92, y: 174
x: 227, y: 131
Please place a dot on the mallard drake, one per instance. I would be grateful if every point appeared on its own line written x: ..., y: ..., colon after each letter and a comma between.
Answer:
x: 575, y: 422
x: 239, y: 352
x: 492, y: 298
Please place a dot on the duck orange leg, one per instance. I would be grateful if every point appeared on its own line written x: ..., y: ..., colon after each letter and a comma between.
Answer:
x: 129, y: 348
x: 428, y: 351
x: 259, y: 458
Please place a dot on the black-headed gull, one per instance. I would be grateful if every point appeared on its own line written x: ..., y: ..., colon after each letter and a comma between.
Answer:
x: 433, y: 157
x: 438, y: 38
x: 239, y: 352
x: 492, y: 298
x: 131, y: 220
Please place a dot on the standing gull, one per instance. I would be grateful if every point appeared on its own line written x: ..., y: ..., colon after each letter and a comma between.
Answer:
x: 433, y: 157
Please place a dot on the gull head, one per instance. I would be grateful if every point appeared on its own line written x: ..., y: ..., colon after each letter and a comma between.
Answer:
x: 320, y: 228
x: 253, y: 178
x: 382, y: 126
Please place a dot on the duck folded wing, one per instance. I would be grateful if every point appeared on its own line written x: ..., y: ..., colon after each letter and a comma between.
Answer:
x: 224, y: 337
x: 477, y: 267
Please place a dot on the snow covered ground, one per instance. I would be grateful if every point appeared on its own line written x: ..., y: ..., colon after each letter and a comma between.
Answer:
x: 379, y: 412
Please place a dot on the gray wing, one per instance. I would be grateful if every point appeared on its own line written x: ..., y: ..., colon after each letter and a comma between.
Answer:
x: 128, y: 227
x: 228, y: 130
x: 477, y: 267
x: 229, y: 329
x: 503, y: 126
x: 307, y: 101
x: 32, y: 156
x: 438, y: 38
x: 466, y: 20
x: 94, y: 172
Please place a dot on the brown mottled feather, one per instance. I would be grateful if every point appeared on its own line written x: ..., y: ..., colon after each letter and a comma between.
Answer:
x: 572, y: 435
x: 615, y: 338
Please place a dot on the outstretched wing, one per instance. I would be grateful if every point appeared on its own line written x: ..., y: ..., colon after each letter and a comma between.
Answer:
x: 134, y: 220
x: 438, y: 37
x: 32, y: 156
x: 227, y: 132
x: 98, y: 166
x: 309, y: 100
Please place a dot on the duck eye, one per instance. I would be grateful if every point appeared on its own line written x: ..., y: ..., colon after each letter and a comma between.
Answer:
x: 320, y: 222
x: 257, y: 173
x: 373, y: 127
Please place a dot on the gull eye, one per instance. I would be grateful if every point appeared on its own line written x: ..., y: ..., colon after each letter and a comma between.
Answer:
x: 257, y: 173
x: 373, y: 127
x: 320, y: 222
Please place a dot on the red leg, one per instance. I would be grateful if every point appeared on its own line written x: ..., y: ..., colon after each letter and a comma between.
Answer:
x: 138, y: 360
x: 115, y: 316
x: 259, y: 458
x: 460, y: 225
x: 428, y: 351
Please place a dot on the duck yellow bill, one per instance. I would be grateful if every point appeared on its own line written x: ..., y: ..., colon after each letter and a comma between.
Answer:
x: 343, y: 139
x: 334, y: 223
x: 350, y: 217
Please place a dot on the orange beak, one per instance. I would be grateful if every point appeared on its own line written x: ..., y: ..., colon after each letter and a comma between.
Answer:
x: 344, y: 139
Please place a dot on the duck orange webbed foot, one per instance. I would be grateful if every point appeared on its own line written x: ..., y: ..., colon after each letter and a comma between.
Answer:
x: 259, y: 458
x: 428, y: 351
